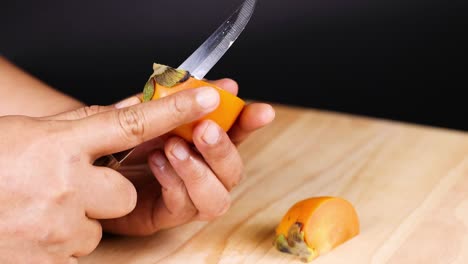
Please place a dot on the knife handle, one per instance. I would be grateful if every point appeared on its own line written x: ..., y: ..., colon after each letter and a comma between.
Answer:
x: 113, y: 161
x: 108, y: 161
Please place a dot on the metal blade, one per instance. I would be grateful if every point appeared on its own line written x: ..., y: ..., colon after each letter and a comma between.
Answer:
x: 211, y: 51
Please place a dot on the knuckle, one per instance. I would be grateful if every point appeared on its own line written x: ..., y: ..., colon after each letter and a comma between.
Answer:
x: 177, y: 185
x: 223, y: 207
x: 76, y: 114
x: 52, y: 228
x: 228, y: 154
x: 93, y: 239
x: 53, y: 235
x: 219, y: 210
x: 198, y: 178
x: 179, y: 106
x: 132, y: 124
x: 85, y: 111
x: 238, y: 179
x: 238, y: 176
x: 62, y: 192
x: 92, y: 110
x: 181, y: 205
x: 180, y: 103
x: 225, y: 150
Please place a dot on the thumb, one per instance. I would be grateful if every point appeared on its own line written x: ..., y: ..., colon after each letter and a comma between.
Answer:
x: 87, y: 111
x: 121, y: 129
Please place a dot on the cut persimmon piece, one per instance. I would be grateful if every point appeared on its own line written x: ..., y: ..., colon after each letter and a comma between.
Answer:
x: 166, y: 81
x: 315, y: 226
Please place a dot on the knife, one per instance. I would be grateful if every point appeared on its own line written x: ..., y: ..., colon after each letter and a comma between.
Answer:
x: 202, y: 60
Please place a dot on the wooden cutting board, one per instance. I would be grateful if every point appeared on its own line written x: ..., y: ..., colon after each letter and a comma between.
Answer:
x: 408, y: 183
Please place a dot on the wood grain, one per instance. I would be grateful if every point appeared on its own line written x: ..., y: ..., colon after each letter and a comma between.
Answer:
x: 409, y: 185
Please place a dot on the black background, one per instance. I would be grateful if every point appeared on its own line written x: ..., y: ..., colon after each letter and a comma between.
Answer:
x: 395, y: 59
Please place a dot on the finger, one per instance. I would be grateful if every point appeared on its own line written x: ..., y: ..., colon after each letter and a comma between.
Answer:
x: 219, y: 152
x: 175, y: 208
x: 87, y: 111
x: 87, y: 240
x: 227, y: 84
x: 253, y: 117
x: 131, y: 101
x: 108, y: 194
x: 205, y: 190
x: 81, y: 112
x: 122, y: 129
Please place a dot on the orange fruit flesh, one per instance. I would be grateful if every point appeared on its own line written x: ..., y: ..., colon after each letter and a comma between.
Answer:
x: 300, y: 212
x: 334, y: 222
x: 225, y: 115
x: 327, y: 222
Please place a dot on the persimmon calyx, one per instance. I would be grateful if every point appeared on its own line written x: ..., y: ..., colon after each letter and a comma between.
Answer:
x: 295, y: 243
x: 165, y: 76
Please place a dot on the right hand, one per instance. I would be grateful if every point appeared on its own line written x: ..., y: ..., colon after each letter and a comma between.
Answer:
x: 51, y: 194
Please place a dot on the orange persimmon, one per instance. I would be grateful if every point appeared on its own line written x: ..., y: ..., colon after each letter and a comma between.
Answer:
x: 315, y: 226
x: 166, y: 81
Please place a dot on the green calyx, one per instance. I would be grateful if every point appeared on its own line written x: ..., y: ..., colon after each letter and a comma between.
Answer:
x: 148, y: 91
x: 295, y: 244
x: 165, y: 76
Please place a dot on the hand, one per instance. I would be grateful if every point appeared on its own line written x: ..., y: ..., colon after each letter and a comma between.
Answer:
x: 51, y: 195
x: 173, y: 191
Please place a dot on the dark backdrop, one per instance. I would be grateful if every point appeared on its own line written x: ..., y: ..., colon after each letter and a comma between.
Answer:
x: 396, y: 59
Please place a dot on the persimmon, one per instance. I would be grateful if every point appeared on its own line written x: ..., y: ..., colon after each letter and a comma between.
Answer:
x: 314, y: 226
x: 166, y: 80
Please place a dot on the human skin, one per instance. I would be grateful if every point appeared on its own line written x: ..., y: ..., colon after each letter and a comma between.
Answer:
x: 46, y: 156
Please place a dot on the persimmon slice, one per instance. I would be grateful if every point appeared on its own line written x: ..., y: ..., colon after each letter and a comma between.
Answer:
x: 166, y: 80
x: 315, y: 226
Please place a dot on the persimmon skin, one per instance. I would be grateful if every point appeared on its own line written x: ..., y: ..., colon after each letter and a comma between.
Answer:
x: 225, y: 115
x: 323, y: 223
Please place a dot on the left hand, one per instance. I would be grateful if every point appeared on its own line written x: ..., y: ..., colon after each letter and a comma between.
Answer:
x: 177, y: 183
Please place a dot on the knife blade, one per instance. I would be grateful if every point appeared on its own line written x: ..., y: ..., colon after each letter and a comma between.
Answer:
x: 202, y: 60
x: 214, y: 48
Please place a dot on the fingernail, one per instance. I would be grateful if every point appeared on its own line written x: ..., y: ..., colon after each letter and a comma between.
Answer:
x: 128, y: 102
x: 159, y: 159
x: 207, y: 97
x: 180, y: 152
x: 211, y: 134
